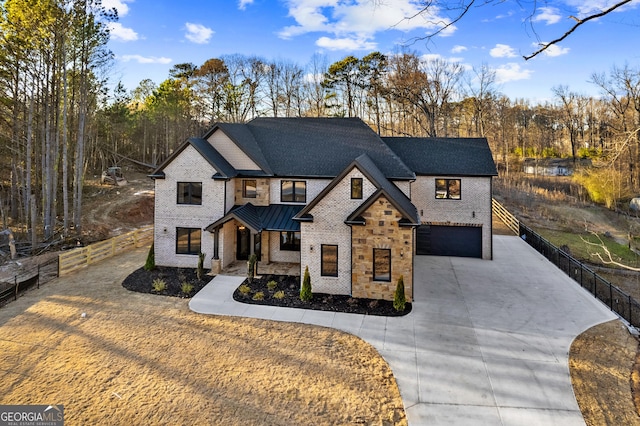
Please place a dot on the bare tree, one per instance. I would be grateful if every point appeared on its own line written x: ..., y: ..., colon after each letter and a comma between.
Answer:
x: 445, y: 14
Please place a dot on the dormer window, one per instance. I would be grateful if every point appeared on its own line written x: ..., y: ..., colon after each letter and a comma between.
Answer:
x: 190, y: 193
x: 293, y: 191
x: 249, y: 188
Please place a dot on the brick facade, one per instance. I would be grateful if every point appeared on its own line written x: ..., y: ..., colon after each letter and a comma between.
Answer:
x: 189, y: 166
x: 472, y: 209
x: 328, y: 227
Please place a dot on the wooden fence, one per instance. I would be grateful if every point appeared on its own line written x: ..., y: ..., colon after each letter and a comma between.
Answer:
x: 505, y: 216
x: 83, y: 256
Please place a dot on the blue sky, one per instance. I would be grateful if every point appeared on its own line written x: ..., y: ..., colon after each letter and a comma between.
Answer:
x: 153, y: 35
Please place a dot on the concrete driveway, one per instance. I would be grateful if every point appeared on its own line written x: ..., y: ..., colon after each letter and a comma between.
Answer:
x: 487, y: 342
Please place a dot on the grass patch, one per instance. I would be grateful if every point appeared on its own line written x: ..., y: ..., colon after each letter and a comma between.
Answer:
x: 582, y: 251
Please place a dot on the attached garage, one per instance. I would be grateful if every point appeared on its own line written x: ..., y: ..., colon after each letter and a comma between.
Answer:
x: 441, y: 240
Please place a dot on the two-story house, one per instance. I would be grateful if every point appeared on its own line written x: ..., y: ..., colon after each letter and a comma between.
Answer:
x: 327, y: 193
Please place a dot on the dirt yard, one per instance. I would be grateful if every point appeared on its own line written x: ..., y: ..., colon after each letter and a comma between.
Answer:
x: 144, y: 359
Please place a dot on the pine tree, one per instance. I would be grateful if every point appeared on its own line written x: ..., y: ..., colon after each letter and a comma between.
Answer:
x: 399, y: 299
x: 305, y: 291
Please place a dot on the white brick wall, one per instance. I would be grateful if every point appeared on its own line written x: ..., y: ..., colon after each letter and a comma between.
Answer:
x: 328, y: 228
x: 475, y: 200
x: 189, y: 166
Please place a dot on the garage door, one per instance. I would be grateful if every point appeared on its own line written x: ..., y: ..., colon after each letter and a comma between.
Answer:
x: 461, y: 241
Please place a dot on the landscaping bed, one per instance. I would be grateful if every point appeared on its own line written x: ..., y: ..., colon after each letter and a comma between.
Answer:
x: 286, y: 292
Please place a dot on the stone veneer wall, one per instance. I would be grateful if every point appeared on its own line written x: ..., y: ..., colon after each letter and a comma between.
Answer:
x: 382, y: 230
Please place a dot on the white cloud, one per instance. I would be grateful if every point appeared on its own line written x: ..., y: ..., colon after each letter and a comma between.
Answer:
x: 242, y: 5
x: 458, y: 49
x: 345, y: 44
x: 198, y: 33
x: 120, y: 33
x: 548, y: 15
x: 586, y: 7
x: 503, y: 51
x: 120, y: 5
x: 360, y: 19
x: 511, y: 72
x: 554, y: 50
x: 145, y: 59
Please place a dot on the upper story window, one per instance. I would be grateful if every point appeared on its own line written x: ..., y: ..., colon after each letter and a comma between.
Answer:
x: 448, y: 188
x: 249, y: 188
x: 356, y: 188
x: 294, y: 191
x: 190, y: 193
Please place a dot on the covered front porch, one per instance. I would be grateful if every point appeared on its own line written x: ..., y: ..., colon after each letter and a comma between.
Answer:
x: 239, y: 268
x: 268, y: 232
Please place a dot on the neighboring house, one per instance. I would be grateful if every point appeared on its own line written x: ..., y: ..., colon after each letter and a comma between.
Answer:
x: 553, y: 166
x: 327, y: 193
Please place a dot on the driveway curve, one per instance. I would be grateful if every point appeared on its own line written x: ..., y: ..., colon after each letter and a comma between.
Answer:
x: 487, y: 342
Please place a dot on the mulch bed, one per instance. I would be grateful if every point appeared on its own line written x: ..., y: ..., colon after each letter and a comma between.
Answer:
x: 141, y: 281
x: 290, y: 286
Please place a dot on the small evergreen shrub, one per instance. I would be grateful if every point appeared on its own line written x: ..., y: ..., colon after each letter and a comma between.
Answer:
x: 399, y: 299
x: 258, y: 296
x: 159, y: 285
x: 271, y: 285
x: 244, y: 289
x: 278, y: 295
x: 305, y: 291
x: 150, y: 264
x: 186, y: 287
x: 200, y: 270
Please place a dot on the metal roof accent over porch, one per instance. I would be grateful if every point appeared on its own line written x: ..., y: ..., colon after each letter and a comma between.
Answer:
x: 274, y: 217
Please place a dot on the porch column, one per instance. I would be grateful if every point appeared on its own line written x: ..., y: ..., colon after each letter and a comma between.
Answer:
x: 216, y: 243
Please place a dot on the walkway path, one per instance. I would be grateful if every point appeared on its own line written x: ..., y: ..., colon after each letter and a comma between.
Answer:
x: 487, y: 342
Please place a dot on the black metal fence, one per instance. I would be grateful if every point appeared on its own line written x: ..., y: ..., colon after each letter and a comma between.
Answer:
x: 11, y: 289
x: 617, y: 300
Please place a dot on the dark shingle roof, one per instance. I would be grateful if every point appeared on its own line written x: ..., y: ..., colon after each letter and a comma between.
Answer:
x: 445, y: 156
x: 318, y: 147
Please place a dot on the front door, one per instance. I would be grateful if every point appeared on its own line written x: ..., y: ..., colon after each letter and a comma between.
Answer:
x: 243, y: 248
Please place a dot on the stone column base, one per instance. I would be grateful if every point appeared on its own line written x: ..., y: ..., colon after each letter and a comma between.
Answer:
x: 216, y: 266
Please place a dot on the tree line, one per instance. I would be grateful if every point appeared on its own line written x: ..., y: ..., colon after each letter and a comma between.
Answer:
x: 61, y: 122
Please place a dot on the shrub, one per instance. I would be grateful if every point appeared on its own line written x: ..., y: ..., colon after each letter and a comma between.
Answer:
x: 278, y: 295
x: 150, y: 264
x: 271, y: 285
x: 251, y: 267
x: 200, y: 270
x: 305, y: 291
x: 244, y: 289
x: 258, y: 296
x: 159, y: 285
x: 399, y: 299
x: 186, y: 287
